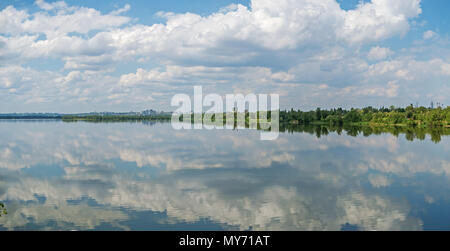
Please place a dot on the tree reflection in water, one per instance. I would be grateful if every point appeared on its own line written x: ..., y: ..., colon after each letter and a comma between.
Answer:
x: 411, y: 133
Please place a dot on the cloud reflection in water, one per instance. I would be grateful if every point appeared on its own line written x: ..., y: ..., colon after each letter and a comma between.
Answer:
x: 113, y: 176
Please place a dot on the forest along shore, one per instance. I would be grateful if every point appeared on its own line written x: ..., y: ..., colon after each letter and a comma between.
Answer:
x: 392, y: 116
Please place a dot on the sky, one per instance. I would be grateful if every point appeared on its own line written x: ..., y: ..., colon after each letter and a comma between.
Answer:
x: 131, y: 55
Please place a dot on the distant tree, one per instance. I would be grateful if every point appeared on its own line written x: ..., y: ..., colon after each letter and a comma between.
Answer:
x: 2, y: 209
x: 318, y: 114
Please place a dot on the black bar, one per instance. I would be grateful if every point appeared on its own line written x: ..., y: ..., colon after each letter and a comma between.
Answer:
x: 222, y: 240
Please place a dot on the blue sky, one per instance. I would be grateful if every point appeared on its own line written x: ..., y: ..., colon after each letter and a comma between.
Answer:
x: 80, y: 55
x: 144, y: 10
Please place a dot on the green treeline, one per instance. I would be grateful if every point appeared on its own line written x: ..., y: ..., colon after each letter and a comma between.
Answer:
x: 409, y: 116
x: 114, y: 118
x: 2, y: 209
x: 414, y: 123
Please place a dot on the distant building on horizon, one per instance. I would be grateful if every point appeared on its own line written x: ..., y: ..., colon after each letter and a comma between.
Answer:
x: 149, y: 112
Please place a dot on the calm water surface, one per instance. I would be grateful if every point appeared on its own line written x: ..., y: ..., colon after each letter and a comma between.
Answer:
x: 135, y: 176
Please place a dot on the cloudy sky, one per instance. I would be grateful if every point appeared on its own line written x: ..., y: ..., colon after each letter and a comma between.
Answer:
x: 122, y: 55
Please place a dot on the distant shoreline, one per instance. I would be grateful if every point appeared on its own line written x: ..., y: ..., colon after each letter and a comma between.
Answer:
x: 369, y: 116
